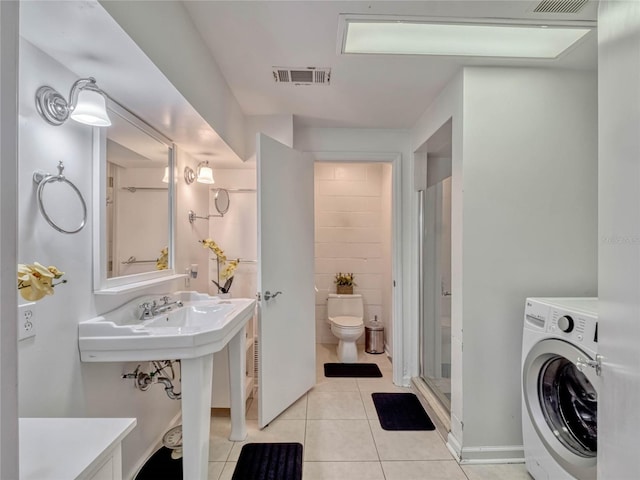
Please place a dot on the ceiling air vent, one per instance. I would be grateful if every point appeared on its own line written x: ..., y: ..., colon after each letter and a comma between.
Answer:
x: 560, y: 6
x: 302, y: 76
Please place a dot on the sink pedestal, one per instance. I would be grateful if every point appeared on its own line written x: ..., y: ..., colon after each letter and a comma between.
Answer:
x: 197, y: 376
x: 191, y: 333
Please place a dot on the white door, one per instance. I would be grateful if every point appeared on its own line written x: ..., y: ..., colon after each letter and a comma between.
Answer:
x: 286, y: 322
x: 619, y: 248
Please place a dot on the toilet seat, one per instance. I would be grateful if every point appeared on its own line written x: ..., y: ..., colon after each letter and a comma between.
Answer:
x: 347, y: 321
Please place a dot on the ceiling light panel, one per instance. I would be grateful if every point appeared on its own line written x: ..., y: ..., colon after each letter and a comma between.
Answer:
x: 412, y: 37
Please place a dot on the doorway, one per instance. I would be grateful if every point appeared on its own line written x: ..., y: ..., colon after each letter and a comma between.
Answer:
x: 354, y: 234
x: 435, y: 268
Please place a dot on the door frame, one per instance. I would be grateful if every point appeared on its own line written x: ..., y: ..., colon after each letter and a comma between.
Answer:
x: 394, y: 159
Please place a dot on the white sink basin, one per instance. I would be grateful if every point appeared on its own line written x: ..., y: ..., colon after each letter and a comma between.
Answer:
x: 203, y: 325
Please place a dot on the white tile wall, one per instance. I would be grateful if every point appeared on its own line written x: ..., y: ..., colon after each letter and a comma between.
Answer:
x: 351, y: 236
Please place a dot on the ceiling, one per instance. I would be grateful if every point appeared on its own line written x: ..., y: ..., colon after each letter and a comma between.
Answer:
x: 248, y: 38
x: 84, y: 38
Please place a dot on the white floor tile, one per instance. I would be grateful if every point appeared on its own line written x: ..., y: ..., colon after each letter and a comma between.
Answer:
x: 297, y: 411
x: 512, y: 471
x: 421, y: 470
x: 335, y: 406
x: 227, y: 473
x: 215, y: 470
x: 219, y: 443
x: 277, y: 431
x: 408, y: 445
x: 339, y: 441
x: 336, y: 385
x: 342, y: 471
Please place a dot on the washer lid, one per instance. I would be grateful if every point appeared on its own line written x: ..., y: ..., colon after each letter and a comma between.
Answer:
x: 347, y: 321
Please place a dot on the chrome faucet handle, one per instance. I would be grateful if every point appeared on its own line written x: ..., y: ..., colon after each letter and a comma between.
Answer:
x: 147, y: 310
x: 165, y: 299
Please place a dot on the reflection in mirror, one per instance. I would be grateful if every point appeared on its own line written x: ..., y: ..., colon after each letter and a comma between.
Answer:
x: 137, y: 218
x: 222, y: 201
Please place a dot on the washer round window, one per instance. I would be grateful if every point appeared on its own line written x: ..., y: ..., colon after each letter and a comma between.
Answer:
x: 570, y: 405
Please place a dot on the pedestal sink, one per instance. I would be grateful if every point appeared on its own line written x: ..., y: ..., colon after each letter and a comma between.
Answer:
x: 191, y: 333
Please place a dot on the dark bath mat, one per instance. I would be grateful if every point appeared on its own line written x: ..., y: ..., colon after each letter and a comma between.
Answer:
x: 401, y: 411
x: 161, y: 465
x: 351, y: 370
x: 269, y: 461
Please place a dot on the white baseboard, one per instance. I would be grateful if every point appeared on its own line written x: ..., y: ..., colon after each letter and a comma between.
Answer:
x: 454, y: 446
x: 493, y: 454
x: 155, y: 446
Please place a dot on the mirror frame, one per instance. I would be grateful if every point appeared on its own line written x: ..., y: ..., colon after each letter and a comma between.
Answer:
x: 102, y: 284
x: 221, y: 211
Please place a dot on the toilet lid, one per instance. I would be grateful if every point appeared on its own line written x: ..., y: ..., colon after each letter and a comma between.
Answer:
x: 347, y: 321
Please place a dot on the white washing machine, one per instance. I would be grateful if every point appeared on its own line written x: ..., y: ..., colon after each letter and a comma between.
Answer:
x: 560, y: 388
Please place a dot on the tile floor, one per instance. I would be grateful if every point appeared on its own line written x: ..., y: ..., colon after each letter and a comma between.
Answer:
x: 336, y: 422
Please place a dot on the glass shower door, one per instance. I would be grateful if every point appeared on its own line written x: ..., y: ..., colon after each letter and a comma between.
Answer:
x: 435, y: 289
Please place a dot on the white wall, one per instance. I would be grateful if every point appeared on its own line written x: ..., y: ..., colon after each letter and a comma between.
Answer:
x: 524, y: 224
x: 188, y: 251
x: 52, y: 380
x: 9, y: 14
x: 619, y: 234
x: 530, y: 224
x: 236, y: 233
x: 278, y: 127
x: 166, y: 34
x: 351, y: 236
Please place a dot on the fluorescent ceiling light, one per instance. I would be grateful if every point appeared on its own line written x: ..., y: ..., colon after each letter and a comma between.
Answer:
x: 458, y: 39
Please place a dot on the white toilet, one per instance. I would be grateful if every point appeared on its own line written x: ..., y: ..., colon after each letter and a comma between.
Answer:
x: 345, y: 314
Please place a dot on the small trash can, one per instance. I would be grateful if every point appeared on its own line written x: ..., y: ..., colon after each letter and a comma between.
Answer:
x: 374, y: 337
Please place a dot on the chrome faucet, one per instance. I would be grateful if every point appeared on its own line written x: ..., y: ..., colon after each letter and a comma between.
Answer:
x: 151, y: 309
x: 166, y: 305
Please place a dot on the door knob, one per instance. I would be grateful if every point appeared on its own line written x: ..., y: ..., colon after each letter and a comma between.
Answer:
x: 268, y: 295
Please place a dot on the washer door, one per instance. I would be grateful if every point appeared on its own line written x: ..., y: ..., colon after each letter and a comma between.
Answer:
x: 562, y: 404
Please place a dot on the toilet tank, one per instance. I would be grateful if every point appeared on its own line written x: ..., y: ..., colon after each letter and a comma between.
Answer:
x: 339, y: 305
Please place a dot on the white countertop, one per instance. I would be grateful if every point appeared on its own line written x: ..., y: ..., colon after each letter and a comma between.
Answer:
x: 67, y: 448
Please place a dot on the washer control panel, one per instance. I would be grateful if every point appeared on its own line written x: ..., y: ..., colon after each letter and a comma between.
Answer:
x: 574, y: 326
x: 572, y: 319
x: 565, y: 323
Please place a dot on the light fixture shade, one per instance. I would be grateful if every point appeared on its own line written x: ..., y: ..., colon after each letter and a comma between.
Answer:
x: 91, y: 109
x: 501, y: 40
x: 205, y: 175
x: 165, y: 179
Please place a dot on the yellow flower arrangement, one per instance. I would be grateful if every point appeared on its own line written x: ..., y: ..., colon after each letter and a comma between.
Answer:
x: 35, y: 280
x: 162, y: 263
x: 229, y: 268
x: 344, y: 279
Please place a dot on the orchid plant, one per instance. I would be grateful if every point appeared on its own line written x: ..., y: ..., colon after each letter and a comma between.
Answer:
x: 229, y: 268
x: 162, y: 263
x: 35, y: 280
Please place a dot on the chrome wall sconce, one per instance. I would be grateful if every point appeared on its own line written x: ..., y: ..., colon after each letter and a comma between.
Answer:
x: 86, y: 104
x: 202, y: 174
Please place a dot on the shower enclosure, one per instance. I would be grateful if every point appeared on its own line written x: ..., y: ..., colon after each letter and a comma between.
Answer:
x: 435, y: 285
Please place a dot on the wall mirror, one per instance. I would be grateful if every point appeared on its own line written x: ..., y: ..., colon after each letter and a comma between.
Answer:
x: 222, y: 201
x: 133, y: 234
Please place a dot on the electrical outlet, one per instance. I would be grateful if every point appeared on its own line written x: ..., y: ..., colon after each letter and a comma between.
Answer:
x: 26, y: 321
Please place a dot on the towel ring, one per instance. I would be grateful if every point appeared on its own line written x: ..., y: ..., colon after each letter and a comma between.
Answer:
x: 42, y: 179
